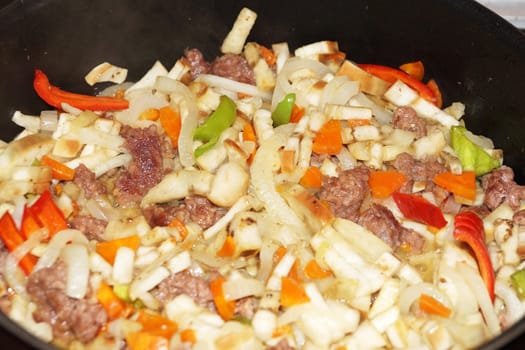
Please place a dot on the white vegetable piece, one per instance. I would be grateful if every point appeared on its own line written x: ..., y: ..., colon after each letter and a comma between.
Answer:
x: 347, y: 112
x: 314, y: 49
x: 400, y: 94
x: 147, y: 281
x: 229, y: 184
x: 506, y: 235
x: 234, y: 41
x: 264, y: 323
x: 106, y: 72
x: 148, y: 80
x: 123, y: 265
x: 77, y: 261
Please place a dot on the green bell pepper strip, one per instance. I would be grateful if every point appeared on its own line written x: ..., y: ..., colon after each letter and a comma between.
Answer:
x: 282, y: 113
x: 518, y: 281
x: 472, y: 157
x: 210, y: 131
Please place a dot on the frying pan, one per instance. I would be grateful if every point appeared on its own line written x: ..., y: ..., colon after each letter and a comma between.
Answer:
x: 475, y: 56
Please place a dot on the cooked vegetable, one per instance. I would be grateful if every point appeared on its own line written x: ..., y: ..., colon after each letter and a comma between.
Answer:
x: 224, y: 307
x: 312, y: 178
x: 54, y: 96
x: 415, y: 69
x: 472, y: 156
x: 419, y: 209
x: 432, y: 306
x: 468, y: 228
x: 463, y: 184
x: 49, y: 214
x: 59, y: 170
x: 171, y: 123
x: 282, y: 113
x: 518, y: 281
x: 217, y: 122
x: 292, y: 292
x: 12, y: 238
x: 384, y: 183
x: 328, y: 139
x: 108, y: 249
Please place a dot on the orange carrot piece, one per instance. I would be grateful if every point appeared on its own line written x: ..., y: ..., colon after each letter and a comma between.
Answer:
x: 314, y: 271
x: 463, y: 184
x: 268, y: 55
x: 108, y: 249
x: 292, y: 292
x: 297, y: 113
x: 384, y: 183
x: 278, y: 254
x: 328, y: 140
x: 352, y: 123
x: 59, y: 170
x: 312, y: 178
x: 188, y: 336
x: 248, y: 133
x: 157, y: 324
x: 433, y: 306
x: 415, y: 69
x: 114, y: 306
x: 171, y: 123
x: 437, y: 92
x: 152, y: 114
x: 179, y: 225
x: 287, y: 161
x: 146, y: 341
x: 228, y: 248
x: 225, y: 308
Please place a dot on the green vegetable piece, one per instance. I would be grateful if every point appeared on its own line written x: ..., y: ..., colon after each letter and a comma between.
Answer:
x: 282, y: 113
x: 199, y: 151
x: 221, y: 119
x: 122, y: 292
x: 518, y: 281
x: 472, y: 157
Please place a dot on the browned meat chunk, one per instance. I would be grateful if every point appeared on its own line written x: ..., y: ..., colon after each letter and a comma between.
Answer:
x: 246, y: 307
x: 233, y: 67
x: 198, y: 64
x: 198, y: 288
x: 146, y: 167
x: 500, y: 187
x: 519, y: 217
x: 195, y: 209
x: 346, y: 193
x: 380, y: 221
x: 92, y: 227
x: 86, y: 180
x: 70, y: 318
x: 418, y: 170
x: 406, y: 118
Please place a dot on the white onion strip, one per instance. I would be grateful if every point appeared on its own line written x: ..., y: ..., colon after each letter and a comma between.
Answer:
x: 77, y: 261
x: 59, y: 240
x: 262, y: 172
x: 232, y: 85
x: 475, y: 282
x: 410, y: 294
x: 11, y: 272
x: 513, y: 307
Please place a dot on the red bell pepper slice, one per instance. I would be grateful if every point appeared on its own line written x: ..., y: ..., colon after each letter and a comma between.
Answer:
x: 468, y: 228
x: 30, y: 223
x: 49, y: 214
x: 419, y: 209
x: 12, y: 238
x: 55, y: 96
x: 391, y: 75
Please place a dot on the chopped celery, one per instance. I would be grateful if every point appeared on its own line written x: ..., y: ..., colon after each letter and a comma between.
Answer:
x: 472, y: 157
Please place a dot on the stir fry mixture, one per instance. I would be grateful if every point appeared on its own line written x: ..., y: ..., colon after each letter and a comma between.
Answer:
x: 268, y: 199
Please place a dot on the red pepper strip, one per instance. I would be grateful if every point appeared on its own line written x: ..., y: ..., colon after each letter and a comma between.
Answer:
x: 467, y: 229
x: 30, y: 223
x: 49, y: 215
x: 419, y: 209
x: 55, y: 96
x: 12, y: 238
x: 391, y: 75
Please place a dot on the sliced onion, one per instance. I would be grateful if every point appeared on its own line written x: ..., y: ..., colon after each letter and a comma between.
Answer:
x: 262, y: 172
x: 113, y: 89
x: 13, y: 275
x: 95, y: 210
x: 145, y: 282
x: 475, y: 282
x: 59, y: 240
x: 76, y: 258
x: 242, y: 287
x: 410, y: 294
x: 234, y: 86
x: 338, y: 91
x: 294, y: 64
x: 513, y: 307
x: 112, y: 163
x: 346, y: 160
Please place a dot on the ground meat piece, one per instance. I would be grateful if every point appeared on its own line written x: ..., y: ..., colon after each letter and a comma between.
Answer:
x: 480, y: 211
x: 195, y: 209
x: 281, y: 345
x: 450, y: 206
x: 246, y: 307
x: 500, y: 187
x: 406, y: 118
x: 233, y: 67
x: 92, y: 227
x: 380, y: 221
x: 418, y: 170
x: 198, y: 288
x: 346, y: 193
x: 70, y: 318
x: 146, y: 167
x: 198, y: 64
x: 86, y: 180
